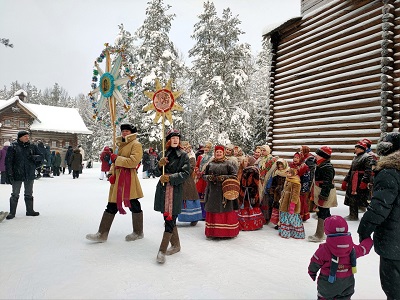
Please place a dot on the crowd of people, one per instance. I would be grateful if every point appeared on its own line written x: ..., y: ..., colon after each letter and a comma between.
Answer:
x: 234, y: 192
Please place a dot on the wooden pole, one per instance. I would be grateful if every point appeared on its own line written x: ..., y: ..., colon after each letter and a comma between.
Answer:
x: 163, y: 139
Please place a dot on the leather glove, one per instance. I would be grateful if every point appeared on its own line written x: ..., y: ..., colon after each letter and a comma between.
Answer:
x: 164, y: 178
x: 163, y: 161
x: 363, y: 185
x: 113, y: 157
x: 344, y: 185
x: 222, y: 177
x: 321, y: 200
x: 292, y: 206
x: 111, y: 179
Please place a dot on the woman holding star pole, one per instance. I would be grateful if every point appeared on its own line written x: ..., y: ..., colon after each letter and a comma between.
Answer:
x: 173, y: 167
x: 169, y: 191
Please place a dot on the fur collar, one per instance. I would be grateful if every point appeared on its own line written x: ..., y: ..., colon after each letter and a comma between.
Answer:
x: 391, y: 161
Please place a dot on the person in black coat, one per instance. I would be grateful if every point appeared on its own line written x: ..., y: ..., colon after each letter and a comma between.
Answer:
x: 169, y: 191
x: 21, y: 162
x: 68, y: 158
x: 383, y: 214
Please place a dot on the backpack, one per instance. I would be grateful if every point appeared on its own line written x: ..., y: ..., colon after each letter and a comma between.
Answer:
x: 107, y: 157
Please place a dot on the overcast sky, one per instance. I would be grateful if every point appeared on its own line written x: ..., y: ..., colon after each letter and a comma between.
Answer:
x: 58, y: 40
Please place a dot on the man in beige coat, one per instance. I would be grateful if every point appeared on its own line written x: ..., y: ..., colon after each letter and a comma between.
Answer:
x: 125, y: 189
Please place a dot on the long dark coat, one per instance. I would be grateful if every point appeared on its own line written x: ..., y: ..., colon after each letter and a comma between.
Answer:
x: 76, y: 160
x: 383, y: 214
x: 178, y: 170
x: 146, y: 161
x: 213, y: 198
x: 361, y: 163
x: 22, y: 160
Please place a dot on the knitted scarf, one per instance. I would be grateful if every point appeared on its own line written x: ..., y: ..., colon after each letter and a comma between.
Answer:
x: 335, y: 260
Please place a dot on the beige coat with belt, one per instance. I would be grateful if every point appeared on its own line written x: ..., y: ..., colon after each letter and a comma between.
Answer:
x: 129, y: 155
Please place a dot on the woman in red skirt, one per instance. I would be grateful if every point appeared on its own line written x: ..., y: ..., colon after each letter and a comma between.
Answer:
x: 221, y: 218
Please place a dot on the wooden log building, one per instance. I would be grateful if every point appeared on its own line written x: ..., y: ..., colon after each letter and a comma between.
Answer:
x: 56, y: 126
x: 334, y: 78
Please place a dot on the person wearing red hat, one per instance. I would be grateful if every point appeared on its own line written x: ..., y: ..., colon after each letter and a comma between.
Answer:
x: 221, y: 217
x: 169, y: 191
x: 356, y: 181
x: 324, y: 190
x: 309, y: 159
x: 375, y: 159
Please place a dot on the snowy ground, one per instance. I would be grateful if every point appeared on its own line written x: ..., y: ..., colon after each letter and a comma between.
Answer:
x: 48, y: 257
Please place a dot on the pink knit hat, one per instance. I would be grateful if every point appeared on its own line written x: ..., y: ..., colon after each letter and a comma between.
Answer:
x: 335, y: 224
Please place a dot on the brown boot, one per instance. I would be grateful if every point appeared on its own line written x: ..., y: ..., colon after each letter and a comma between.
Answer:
x: 137, y: 224
x: 163, y: 247
x: 175, y: 244
x: 104, y: 228
x: 319, y: 233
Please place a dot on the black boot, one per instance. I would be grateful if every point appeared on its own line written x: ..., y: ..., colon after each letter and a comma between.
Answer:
x: 29, y: 207
x: 13, y: 207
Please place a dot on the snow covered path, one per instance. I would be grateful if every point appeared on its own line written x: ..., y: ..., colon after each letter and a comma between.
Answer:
x: 48, y: 257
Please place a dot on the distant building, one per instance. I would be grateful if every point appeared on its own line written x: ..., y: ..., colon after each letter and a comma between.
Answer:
x: 334, y: 77
x: 56, y: 126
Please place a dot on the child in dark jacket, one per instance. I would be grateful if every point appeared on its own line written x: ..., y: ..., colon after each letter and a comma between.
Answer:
x: 336, y: 260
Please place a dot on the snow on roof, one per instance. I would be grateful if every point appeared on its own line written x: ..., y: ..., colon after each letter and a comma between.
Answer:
x: 268, y: 30
x: 52, y: 118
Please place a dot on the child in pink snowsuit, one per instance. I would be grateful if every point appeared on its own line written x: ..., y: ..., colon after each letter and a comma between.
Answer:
x: 336, y: 260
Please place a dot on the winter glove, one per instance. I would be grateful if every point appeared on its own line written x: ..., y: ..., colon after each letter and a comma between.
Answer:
x: 363, y: 185
x: 111, y: 179
x: 292, y: 206
x: 164, y: 178
x: 113, y: 157
x: 312, y: 275
x: 344, y: 185
x: 163, y: 161
x: 321, y: 200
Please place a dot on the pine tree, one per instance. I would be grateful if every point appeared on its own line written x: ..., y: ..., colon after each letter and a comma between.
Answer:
x: 154, y: 57
x: 219, y: 78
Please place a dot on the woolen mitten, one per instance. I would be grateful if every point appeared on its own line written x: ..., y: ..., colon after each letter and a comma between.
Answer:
x: 163, y: 161
x: 363, y: 185
x: 113, y: 157
x: 321, y: 200
x: 344, y: 185
x: 111, y: 179
x: 292, y: 206
x: 164, y: 178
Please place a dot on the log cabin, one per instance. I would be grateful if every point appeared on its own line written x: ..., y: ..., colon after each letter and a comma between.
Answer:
x: 56, y: 126
x: 334, y: 78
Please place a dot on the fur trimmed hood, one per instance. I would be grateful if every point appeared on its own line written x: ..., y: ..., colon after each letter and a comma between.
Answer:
x: 391, y: 161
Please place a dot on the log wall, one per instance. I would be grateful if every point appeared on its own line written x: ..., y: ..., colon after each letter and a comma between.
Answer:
x: 335, y: 79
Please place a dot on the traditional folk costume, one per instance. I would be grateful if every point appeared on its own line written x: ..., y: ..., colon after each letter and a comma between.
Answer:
x: 221, y: 218
x: 305, y: 178
x: 291, y: 224
x: 191, y: 209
